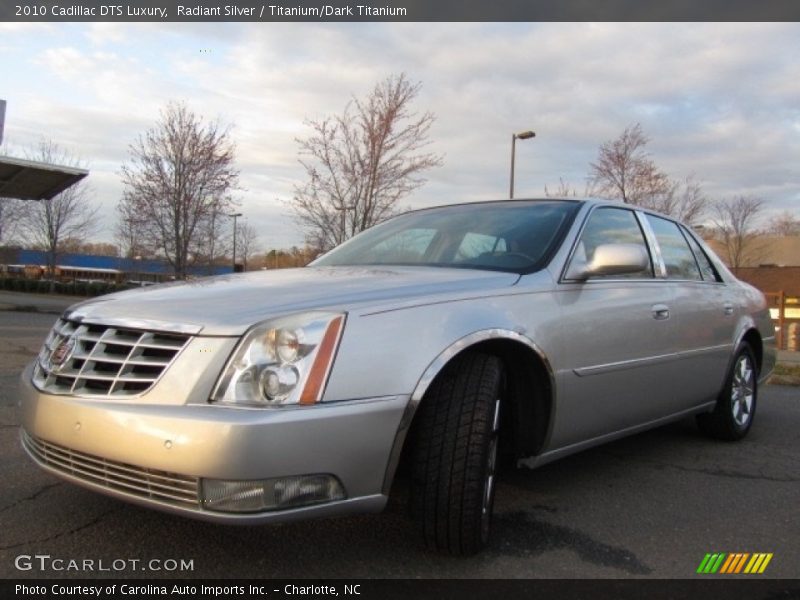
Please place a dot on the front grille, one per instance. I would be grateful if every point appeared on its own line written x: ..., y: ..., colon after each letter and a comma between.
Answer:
x: 172, y: 488
x: 104, y: 361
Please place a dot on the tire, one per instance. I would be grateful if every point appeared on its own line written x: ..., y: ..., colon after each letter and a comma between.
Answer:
x: 735, y: 410
x: 455, y: 455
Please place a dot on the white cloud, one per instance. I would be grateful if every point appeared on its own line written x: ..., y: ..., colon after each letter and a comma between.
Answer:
x: 718, y: 100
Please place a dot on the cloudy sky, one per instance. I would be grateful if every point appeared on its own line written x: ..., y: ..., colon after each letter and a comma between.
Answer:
x: 720, y: 101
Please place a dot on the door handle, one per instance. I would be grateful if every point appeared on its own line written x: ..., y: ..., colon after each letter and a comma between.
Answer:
x: 660, y: 312
x: 728, y: 308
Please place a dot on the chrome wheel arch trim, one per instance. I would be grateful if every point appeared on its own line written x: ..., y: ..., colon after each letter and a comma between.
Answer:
x: 467, y: 341
x: 436, y: 366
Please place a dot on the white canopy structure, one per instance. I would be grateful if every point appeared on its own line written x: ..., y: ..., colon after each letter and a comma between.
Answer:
x: 30, y: 180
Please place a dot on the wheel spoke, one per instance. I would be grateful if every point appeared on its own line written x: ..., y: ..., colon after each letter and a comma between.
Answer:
x: 742, y: 390
x: 737, y: 412
x: 491, y: 463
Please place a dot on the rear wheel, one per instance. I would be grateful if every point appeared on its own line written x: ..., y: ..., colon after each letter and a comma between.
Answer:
x: 733, y: 415
x: 455, y: 454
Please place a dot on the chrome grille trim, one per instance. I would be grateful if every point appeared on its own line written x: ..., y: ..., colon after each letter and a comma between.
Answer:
x: 106, y: 361
x: 172, y: 488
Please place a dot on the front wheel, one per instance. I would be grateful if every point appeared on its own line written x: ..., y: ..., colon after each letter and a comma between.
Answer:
x: 455, y: 454
x: 733, y: 415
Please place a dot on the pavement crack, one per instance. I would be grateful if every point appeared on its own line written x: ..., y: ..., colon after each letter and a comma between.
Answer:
x: 716, y: 471
x: 30, y: 497
x: 17, y: 349
x: 77, y: 529
x: 523, y: 536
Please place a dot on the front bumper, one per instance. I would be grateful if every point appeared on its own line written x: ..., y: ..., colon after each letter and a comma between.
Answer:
x: 157, y: 455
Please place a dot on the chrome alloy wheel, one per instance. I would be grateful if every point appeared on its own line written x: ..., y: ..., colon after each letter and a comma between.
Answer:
x: 742, y: 390
x: 491, y: 468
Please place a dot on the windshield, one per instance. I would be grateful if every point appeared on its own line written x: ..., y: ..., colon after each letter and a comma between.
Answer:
x: 515, y: 236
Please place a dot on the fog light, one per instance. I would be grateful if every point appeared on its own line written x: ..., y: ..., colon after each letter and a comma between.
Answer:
x: 270, y: 494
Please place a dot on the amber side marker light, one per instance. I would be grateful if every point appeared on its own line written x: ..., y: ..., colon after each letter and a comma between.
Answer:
x: 318, y: 374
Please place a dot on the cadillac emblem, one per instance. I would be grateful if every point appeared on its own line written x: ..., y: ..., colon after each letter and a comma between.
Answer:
x: 61, y: 354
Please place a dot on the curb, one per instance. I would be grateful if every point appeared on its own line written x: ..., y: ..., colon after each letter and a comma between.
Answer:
x: 30, y: 309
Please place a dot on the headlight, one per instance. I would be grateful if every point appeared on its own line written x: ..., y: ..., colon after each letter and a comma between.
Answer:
x: 282, y: 361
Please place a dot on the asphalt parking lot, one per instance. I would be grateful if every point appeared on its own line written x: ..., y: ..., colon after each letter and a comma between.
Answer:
x: 648, y: 506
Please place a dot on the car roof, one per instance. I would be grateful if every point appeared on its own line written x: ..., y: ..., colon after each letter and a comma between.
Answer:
x: 589, y: 202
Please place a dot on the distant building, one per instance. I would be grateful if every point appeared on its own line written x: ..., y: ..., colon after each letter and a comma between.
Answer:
x: 780, y: 251
x: 771, y: 279
x: 85, y: 267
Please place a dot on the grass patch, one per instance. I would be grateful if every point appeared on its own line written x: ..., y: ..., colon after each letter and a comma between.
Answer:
x: 785, y: 374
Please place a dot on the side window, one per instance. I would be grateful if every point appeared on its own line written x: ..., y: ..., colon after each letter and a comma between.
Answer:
x: 706, y: 268
x: 678, y: 257
x: 611, y: 226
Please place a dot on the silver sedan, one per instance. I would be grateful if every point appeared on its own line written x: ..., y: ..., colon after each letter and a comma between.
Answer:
x: 450, y: 338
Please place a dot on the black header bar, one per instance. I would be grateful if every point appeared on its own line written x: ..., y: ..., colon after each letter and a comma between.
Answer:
x: 277, y: 11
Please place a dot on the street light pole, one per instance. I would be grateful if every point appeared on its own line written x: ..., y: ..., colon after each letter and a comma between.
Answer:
x: 342, y: 225
x: 235, y: 216
x: 514, y: 137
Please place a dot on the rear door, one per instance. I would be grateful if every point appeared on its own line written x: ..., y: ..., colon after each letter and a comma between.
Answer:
x: 703, y: 314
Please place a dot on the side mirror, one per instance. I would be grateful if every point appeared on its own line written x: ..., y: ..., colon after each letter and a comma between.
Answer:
x: 611, y: 259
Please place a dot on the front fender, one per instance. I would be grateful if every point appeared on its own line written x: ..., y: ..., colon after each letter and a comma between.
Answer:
x: 398, y: 351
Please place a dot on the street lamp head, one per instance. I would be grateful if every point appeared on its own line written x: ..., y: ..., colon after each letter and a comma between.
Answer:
x: 523, y: 135
x: 234, y: 215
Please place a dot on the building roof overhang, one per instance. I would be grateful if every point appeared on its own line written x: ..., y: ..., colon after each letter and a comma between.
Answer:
x: 30, y: 180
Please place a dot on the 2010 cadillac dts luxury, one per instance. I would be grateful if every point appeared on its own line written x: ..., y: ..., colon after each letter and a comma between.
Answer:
x: 449, y: 336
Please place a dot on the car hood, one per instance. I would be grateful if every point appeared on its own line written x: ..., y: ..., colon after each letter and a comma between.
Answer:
x: 229, y: 304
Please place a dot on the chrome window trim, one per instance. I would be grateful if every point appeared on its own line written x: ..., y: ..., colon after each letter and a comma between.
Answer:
x: 690, y: 235
x: 652, y: 241
x: 682, y: 231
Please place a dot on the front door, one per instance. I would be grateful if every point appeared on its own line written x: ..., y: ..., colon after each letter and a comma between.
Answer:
x: 620, y: 346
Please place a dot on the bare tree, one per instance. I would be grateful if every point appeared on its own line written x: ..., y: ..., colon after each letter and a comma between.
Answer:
x: 179, y: 175
x: 10, y: 212
x: 100, y: 249
x: 361, y: 163
x: 783, y: 224
x: 735, y: 222
x: 683, y: 200
x: 80, y: 246
x: 286, y: 259
x: 214, y: 237
x: 128, y: 231
x: 624, y: 170
x: 565, y: 190
x: 246, y: 242
x: 46, y: 224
